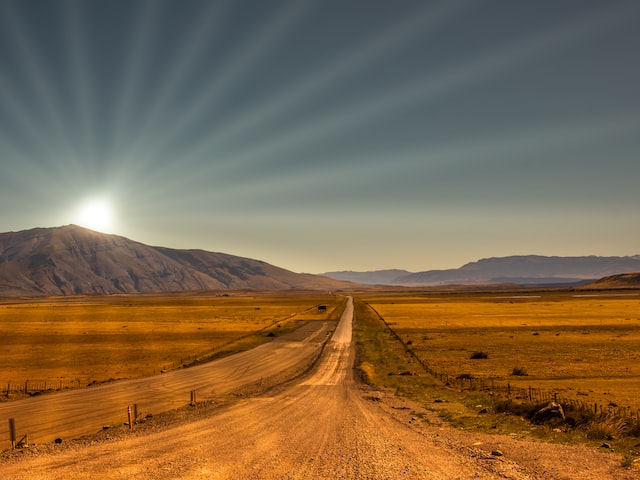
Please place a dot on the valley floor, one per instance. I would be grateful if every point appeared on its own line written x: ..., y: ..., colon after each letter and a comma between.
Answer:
x: 324, y: 425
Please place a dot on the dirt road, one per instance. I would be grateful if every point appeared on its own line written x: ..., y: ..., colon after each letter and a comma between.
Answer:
x: 322, y: 426
x: 74, y: 413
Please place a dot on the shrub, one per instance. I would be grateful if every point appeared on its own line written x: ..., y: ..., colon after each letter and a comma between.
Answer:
x: 634, y: 428
x: 479, y: 355
x: 606, y: 429
x: 519, y: 372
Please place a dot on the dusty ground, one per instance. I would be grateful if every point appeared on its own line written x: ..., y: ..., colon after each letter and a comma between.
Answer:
x: 324, y: 425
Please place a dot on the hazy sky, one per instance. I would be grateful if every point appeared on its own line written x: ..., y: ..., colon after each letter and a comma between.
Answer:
x: 327, y: 135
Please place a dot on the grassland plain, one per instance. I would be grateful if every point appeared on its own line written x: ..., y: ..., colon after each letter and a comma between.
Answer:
x: 579, y: 345
x: 413, y: 343
x: 82, y: 340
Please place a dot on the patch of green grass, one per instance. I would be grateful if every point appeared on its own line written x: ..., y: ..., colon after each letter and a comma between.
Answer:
x: 382, y: 360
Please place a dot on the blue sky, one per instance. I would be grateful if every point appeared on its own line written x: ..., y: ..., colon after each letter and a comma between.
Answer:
x: 327, y: 135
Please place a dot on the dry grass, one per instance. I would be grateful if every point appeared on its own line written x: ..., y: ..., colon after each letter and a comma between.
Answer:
x: 431, y: 331
x: 583, y: 347
x: 95, y: 339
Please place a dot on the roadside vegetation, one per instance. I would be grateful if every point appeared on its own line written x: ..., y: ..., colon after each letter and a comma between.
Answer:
x: 72, y: 342
x: 490, y: 364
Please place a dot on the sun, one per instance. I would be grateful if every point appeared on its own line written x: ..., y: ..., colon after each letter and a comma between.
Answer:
x: 96, y: 214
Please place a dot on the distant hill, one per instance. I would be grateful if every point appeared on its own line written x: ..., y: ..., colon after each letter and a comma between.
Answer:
x: 72, y: 260
x: 377, y: 277
x: 521, y: 269
x: 623, y: 280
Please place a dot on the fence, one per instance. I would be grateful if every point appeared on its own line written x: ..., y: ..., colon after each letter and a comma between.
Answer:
x: 506, y: 390
x: 28, y: 387
x: 536, y: 395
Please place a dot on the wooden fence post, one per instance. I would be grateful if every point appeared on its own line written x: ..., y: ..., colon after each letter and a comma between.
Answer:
x: 129, y: 416
x: 12, y: 433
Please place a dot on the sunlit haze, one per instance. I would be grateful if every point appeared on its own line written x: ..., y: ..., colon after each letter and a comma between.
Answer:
x: 326, y: 134
x: 96, y: 214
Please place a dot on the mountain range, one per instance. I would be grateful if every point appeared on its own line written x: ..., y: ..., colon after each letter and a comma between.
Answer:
x: 72, y: 260
x: 519, y: 269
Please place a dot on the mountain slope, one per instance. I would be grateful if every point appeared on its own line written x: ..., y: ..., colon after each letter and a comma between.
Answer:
x: 623, y: 280
x: 74, y: 260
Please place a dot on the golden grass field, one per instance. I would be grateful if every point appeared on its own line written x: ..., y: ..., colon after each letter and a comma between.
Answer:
x: 582, y: 345
x: 96, y: 339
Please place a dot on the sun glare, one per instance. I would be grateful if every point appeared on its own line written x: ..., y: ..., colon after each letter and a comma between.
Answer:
x: 96, y: 214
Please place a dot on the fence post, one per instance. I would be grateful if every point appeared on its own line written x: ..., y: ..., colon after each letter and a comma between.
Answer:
x: 12, y: 433
x: 129, y: 416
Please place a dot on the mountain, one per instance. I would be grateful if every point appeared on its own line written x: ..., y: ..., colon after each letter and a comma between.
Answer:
x: 72, y: 260
x: 623, y: 280
x: 520, y: 269
x: 377, y: 277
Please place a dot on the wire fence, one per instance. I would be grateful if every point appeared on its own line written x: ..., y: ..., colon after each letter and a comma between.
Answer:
x: 29, y: 387
x: 506, y: 390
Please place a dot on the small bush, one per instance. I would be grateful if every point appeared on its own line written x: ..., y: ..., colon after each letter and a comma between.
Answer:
x: 577, y: 416
x: 465, y: 376
x: 479, y: 355
x: 606, y: 429
x: 519, y: 372
x: 627, y: 461
x: 634, y: 428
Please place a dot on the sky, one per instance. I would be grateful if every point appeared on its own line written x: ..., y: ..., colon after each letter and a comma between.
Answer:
x: 326, y: 135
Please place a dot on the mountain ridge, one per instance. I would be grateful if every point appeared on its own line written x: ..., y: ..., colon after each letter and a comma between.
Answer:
x: 375, y: 277
x: 73, y: 260
x: 519, y: 269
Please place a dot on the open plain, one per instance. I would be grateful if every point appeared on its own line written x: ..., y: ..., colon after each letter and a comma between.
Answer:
x: 63, y: 342
x: 323, y: 424
x: 577, y: 345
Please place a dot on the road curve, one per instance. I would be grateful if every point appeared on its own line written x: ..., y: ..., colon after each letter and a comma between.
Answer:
x: 80, y: 412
